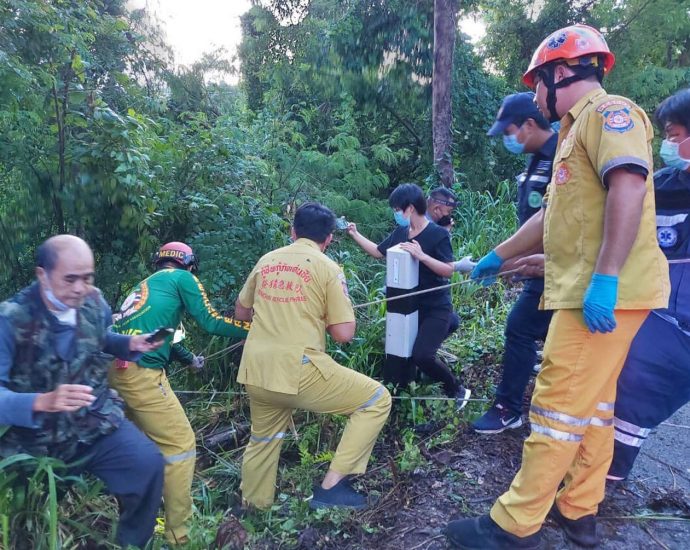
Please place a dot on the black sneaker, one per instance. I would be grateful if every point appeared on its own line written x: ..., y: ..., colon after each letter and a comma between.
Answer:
x: 483, y: 533
x: 461, y: 398
x: 581, y: 531
x: 340, y: 495
x: 496, y: 420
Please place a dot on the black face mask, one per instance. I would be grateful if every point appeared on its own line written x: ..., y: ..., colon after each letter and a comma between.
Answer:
x: 445, y: 221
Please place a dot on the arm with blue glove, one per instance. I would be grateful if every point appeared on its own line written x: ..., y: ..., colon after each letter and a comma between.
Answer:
x: 622, y: 215
x: 599, y: 303
x: 486, y: 267
x: 525, y: 240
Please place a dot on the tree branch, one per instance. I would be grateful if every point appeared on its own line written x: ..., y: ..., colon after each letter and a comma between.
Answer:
x: 404, y: 123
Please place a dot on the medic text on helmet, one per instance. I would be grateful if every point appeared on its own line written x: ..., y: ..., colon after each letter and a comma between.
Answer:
x: 172, y: 254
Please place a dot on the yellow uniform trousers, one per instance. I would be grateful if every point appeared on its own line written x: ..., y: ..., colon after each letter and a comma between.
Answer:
x: 572, y: 423
x: 346, y: 392
x: 155, y: 409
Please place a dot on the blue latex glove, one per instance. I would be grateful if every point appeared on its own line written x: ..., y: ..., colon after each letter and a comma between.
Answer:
x: 488, y: 265
x: 599, y: 303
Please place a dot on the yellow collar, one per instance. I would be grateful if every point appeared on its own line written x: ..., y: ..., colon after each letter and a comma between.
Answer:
x: 308, y: 242
x: 576, y: 110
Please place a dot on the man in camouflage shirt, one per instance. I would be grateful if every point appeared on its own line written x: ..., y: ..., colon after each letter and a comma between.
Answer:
x: 55, y: 351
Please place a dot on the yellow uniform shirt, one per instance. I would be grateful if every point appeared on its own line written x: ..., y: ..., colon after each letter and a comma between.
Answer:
x: 600, y: 133
x: 296, y: 292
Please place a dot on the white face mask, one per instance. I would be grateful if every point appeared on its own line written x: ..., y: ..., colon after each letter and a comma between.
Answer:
x: 63, y: 312
x: 68, y: 317
x: 57, y: 304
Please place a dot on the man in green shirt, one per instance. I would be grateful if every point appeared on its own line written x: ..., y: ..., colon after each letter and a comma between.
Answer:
x: 159, y: 302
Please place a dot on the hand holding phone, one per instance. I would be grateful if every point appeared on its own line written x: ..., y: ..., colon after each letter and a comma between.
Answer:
x: 159, y: 335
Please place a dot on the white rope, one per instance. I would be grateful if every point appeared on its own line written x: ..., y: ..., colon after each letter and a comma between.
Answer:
x: 466, y: 281
x: 233, y: 347
x: 224, y: 350
x: 426, y: 290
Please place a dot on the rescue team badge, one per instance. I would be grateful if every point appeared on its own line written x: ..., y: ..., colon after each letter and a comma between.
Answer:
x: 616, y: 115
x: 562, y: 174
x: 534, y: 199
x: 343, y: 282
x: 133, y: 303
x: 667, y: 236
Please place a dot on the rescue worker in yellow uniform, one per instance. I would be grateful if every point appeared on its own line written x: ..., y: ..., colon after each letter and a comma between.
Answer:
x: 297, y: 294
x: 603, y: 273
x: 159, y: 302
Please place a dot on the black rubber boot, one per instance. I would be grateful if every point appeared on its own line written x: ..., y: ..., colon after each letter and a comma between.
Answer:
x: 341, y: 495
x: 581, y: 531
x: 483, y: 533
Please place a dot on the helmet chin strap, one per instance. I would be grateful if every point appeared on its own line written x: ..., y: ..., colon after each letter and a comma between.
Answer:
x: 548, y: 77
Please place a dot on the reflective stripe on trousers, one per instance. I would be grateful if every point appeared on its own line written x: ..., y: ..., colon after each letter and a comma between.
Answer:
x: 629, y: 434
x: 171, y: 459
x: 572, y: 424
x: 563, y: 418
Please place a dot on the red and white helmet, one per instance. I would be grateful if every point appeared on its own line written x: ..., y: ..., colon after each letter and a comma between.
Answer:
x: 569, y: 43
x: 180, y: 253
x: 581, y: 47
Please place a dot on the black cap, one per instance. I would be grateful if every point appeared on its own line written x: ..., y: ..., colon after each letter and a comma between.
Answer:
x: 515, y: 109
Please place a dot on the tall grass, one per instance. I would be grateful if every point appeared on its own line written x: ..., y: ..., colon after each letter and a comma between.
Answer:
x: 483, y: 220
x: 29, y: 508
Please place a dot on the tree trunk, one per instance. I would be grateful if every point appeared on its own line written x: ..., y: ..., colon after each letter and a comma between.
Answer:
x: 444, y: 43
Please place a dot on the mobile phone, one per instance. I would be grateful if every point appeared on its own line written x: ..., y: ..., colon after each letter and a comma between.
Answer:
x: 341, y: 223
x: 159, y: 335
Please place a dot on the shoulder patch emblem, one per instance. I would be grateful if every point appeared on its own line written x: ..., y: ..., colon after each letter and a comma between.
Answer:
x: 618, y: 120
x: 562, y: 174
x: 667, y: 236
x: 616, y: 113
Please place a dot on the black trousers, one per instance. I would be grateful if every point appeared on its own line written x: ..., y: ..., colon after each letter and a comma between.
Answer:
x: 131, y: 466
x: 434, y: 325
x: 526, y: 324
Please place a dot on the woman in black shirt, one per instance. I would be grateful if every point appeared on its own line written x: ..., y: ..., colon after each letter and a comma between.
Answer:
x: 430, y: 244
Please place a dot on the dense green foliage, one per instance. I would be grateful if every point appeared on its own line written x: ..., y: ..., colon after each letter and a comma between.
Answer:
x: 650, y: 38
x: 101, y: 136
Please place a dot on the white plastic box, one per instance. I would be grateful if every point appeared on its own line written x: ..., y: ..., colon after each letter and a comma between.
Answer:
x: 401, y: 332
x: 402, y: 270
